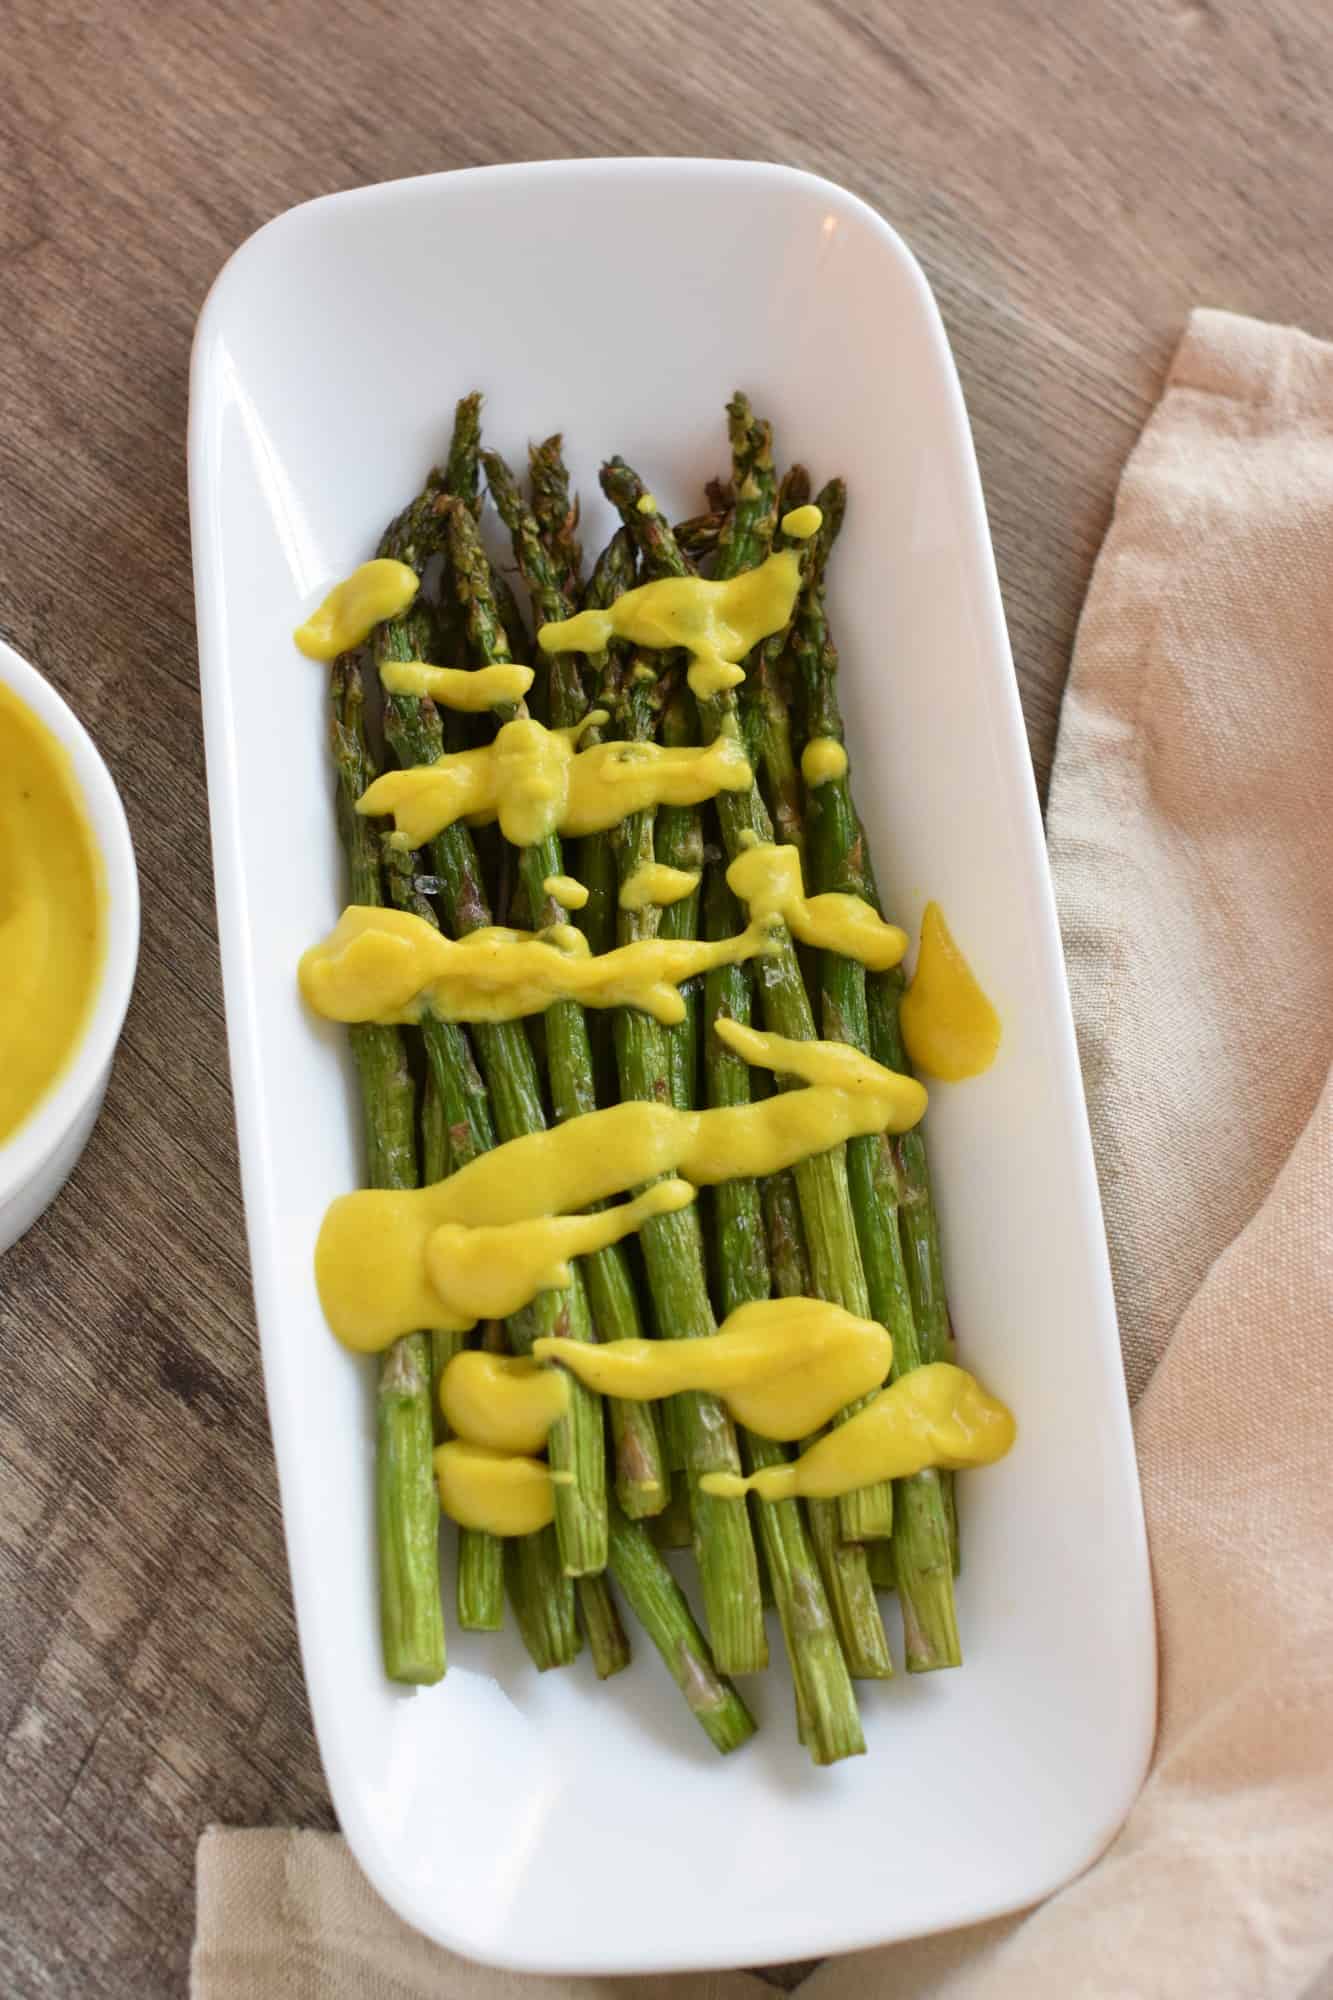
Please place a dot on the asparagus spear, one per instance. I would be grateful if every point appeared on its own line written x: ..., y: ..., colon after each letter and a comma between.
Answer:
x: 696, y: 1424
x: 543, y: 1599
x: 639, y: 1469
x: 821, y: 1181
x: 831, y: 1727
x: 844, y: 1566
x: 673, y: 1253
x: 600, y: 1619
x: 923, y: 1561
x: 434, y: 1167
x: 462, y: 470
x: 671, y: 1528
x: 766, y: 701
x: 407, y: 1505
x: 916, y: 1206
x: 658, y: 1602
x: 697, y: 537
x: 413, y: 728
x: 556, y: 513
x: 674, y: 1258
x: 612, y: 573
x: 679, y: 843
x: 457, y: 1093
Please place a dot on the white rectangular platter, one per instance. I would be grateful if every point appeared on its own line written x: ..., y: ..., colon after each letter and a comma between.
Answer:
x: 545, y: 1823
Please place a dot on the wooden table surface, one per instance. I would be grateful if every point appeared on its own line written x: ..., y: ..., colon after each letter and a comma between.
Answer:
x: 1074, y: 179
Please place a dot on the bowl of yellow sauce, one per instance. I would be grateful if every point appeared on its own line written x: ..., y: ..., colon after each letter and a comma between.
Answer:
x: 69, y: 939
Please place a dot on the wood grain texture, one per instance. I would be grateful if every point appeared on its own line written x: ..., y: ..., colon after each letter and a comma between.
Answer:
x: 1074, y: 179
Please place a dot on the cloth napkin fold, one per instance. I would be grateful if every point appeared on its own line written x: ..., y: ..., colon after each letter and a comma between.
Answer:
x: 1191, y: 836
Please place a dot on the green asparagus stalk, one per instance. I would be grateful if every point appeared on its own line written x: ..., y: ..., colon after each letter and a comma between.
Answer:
x: 658, y: 1602
x: 542, y: 1596
x: 407, y: 1504
x: 916, y: 1205
x: 607, y: 1641
x: 830, y: 1229
x: 846, y: 1567
x: 612, y: 573
x: 826, y: 1704
x: 882, y: 1565
x: 698, y: 536
x: 766, y: 701
x: 923, y: 1559
x: 638, y: 1458
x: 462, y: 469
x: 557, y: 514
x: 920, y: 1224
x: 679, y: 843
x: 480, y: 1581
x: 671, y: 1528
x: 697, y: 1424
x: 413, y: 729
x: 434, y: 1167
x: 457, y: 1097
x: 674, y: 1258
x: 925, y: 1269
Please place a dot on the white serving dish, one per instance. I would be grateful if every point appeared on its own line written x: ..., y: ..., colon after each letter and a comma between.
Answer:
x: 38, y: 1158
x: 544, y: 1823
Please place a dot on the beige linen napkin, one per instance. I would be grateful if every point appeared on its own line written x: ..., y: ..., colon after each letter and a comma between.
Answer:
x: 1191, y: 834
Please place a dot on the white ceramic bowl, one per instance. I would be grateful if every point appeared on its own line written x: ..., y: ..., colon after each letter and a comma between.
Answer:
x: 539, y: 1821
x: 37, y: 1159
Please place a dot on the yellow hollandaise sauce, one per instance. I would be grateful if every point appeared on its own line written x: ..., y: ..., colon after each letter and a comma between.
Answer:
x: 936, y: 1415
x: 535, y: 781
x: 783, y: 1367
x: 767, y: 878
x: 494, y: 1490
x: 503, y: 1401
x: 654, y: 885
x: 388, y: 966
x: 949, y: 1026
x: 563, y: 889
x: 374, y: 1265
x: 52, y: 912
x: 822, y: 760
x: 717, y: 622
x: 468, y: 690
x: 353, y: 608
x: 489, y: 1271
x: 799, y: 524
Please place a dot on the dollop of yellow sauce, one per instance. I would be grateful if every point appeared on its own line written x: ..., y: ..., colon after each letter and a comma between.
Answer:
x: 936, y: 1415
x: 563, y: 889
x: 646, y: 503
x: 371, y: 1259
x: 503, y: 1401
x: 716, y: 621
x: 800, y: 524
x: 353, y: 608
x: 492, y: 1490
x: 654, y: 884
x: 52, y: 912
x: 949, y: 1026
x: 822, y: 760
x: 768, y: 879
x: 536, y: 782
x: 490, y: 1271
x: 388, y: 966
x: 468, y: 690
x: 783, y: 1367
